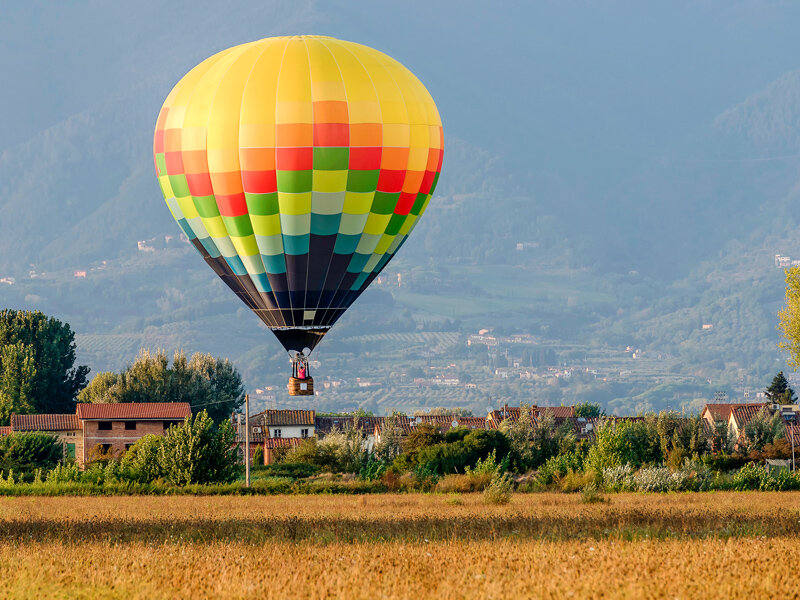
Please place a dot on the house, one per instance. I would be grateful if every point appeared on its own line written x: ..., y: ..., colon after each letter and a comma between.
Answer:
x: 741, y: 416
x: 111, y: 427
x: 283, y: 423
x: 66, y: 427
x: 270, y: 445
x: 735, y: 415
x: 495, y: 417
x: 272, y: 430
x: 116, y: 427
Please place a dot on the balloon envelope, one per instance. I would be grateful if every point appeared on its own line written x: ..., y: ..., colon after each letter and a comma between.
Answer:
x: 297, y: 166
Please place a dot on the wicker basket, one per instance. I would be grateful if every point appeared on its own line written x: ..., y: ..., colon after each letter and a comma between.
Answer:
x: 301, y: 387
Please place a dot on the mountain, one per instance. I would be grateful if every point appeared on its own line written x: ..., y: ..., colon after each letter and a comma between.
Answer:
x: 615, y: 175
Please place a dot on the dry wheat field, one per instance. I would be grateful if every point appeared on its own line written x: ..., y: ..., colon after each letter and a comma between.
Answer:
x: 713, y: 545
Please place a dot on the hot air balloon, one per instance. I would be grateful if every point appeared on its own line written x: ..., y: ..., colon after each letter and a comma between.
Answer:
x: 297, y: 167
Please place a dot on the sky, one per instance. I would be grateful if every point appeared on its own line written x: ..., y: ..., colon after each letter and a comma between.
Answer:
x: 575, y: 90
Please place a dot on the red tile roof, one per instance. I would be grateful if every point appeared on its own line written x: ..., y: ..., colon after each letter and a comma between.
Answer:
x: 283, y: 417
x: 134, y: 411
x: 559, y: 412
x: 52, y: 422
x: 793, y: 433
x: 743, y: 414
x: 5, y: 430
x: 272, y: 443
x: 722, y: 412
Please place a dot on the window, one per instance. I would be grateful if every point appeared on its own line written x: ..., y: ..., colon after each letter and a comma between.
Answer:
x: 128, y: 447
x: 276, y: 433
x: 106, y: 448
x: 130, y: 425
x: 168, y: 424
x: 104, y: 425
x: 304, y: 433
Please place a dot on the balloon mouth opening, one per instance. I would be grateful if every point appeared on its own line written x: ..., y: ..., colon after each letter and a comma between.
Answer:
x: 300, y: 340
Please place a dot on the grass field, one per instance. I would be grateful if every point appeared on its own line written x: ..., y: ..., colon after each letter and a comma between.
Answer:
x: 715, y: 545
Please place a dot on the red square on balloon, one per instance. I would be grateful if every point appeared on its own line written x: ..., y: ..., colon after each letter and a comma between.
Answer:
x: 233, y: 205
x: 365, y: 159
x: 259, y: 182
x: 390, y: 181
x: 294, y: 159
x: 404, y: 203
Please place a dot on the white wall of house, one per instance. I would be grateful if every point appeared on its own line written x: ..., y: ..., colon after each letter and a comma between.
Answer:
x: 291, y: 431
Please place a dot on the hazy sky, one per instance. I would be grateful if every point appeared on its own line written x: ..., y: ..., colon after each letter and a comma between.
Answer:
x: 575, y: 89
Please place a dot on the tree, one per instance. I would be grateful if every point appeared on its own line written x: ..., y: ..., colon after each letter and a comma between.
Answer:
x: 198, y: 452
x: 99, y: 388
x: 779, y: 391
x: 519, y: 434
x: 207, y: 383
x: 45, y: 347
x: 789, y: 317
x: 141, y: 462
x: 225, y: 388
x: 763, y: 429
x: 588, y: 410
x: 29, y: 450
x: 17, y: 374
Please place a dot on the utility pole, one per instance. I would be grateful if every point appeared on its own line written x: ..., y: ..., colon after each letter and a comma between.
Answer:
x: 247, y: 440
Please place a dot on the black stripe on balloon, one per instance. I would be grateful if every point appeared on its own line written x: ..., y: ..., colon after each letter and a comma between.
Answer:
x: 319, y: 256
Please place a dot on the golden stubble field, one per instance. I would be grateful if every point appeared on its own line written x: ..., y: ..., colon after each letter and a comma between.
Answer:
x: 715, y: 545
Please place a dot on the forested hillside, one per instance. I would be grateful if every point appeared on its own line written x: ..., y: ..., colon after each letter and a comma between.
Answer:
x: 596, y: 201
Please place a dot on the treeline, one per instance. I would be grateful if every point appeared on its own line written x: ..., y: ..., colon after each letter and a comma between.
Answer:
x: 657, y: 452
x: 38, y: 374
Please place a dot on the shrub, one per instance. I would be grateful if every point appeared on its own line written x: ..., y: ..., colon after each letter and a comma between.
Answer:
x: 291, y: 470
x: 574, y: 481
x: 197, y: 452
x: 755, y: 477
x: 618, y: 478
x: 724, y: 462
x: 141, y: 461
x: 472, y: 482
x: 64, y: 473
x: 30, y: 450
x: 653, y: 479
x: 591, y: 494
x: 499, y: 489
x: 373, y: 469
x: 749, y: 477
x: 258, y: 456
x: 559, y: 465
x: 445, y: 458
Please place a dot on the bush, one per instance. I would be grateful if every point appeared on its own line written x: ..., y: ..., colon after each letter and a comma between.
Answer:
x: 574, y: 481
x: 197, y: 452
x: 653, y: 479
x: 724, y: 462
x: 64, y: 473
x: 291, y: 470
x: 591, y: 494
x: 755, y: 477
x: 445, y: 458
x: 141, y: 461
x: 473, y: 482
x: 27, y: 451
x: 338, y: 452
x: 618, y: 478
x: 559, y: 465
x: 499, y: 489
